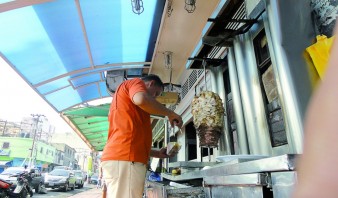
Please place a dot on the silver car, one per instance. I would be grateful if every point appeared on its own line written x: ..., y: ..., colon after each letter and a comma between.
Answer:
x: 60, y: 178
x: 79, y: 178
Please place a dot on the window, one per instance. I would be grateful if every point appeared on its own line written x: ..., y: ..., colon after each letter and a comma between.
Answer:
x: 5, y: 145
x: 41, y: 150
x: 268, y: 82
x: 191, y: 139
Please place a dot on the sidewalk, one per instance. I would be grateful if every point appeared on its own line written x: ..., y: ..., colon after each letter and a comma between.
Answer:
x: 92, y: 193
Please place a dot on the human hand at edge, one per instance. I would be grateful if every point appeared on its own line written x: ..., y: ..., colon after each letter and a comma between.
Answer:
x: 175, y: 120
x: 162, y: 153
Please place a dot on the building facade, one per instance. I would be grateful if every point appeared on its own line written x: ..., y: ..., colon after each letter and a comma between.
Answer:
x: 16, y: 151
x: 67, y: 155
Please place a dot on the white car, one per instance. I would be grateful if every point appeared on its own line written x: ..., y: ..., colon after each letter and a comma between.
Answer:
x: 79, y: 178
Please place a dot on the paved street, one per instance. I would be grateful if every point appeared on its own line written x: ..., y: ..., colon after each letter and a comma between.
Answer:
x: 88, y: 190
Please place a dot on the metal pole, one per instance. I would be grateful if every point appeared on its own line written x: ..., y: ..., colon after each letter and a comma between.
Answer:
x: 3, y: 132
x: 209, y: 154
x: 34, y: 137
x: 204, y: 63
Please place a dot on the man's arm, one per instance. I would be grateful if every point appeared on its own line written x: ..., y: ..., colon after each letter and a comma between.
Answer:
x: 152, y: 106
x: 317, y: 169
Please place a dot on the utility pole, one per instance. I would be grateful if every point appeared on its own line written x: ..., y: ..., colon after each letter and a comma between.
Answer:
x: 4, y: 129
x: 34, y: 136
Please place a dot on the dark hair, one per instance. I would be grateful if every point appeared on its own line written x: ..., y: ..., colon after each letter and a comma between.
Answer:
x: 155, y: 78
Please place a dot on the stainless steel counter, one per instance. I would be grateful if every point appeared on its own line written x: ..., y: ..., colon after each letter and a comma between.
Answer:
x: 190, y: 164
x: 255, y: 179
x: 270, y: 164
x: 185, y: 176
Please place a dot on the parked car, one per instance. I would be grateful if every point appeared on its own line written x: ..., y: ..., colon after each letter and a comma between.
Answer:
x: 94, y: 179
x: 60, y: 178
x: 37, y: 179
x: 62, y: 167
x: 79, y: 178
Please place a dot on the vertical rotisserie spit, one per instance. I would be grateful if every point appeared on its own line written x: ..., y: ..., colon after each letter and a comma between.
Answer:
x: 208, y: 111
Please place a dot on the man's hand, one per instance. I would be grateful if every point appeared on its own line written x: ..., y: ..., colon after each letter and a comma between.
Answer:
x: 162, y: 153
x: 175, y: 120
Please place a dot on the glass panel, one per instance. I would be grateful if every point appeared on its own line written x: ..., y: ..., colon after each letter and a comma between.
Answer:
x: 58, y: 98
x: 73, y: 97
x: 103, y: 89
x: 77, y: 82
x: 26, y: 45
x: 89, y: 92
x: 54, y: 85
x: 124, y: 36
x: 46, y: 41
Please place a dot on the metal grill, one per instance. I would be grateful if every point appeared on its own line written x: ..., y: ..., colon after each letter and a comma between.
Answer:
x: 199, y: 72
x: 172, y: 107
x: 214, y: 52
x: 192, y: 78
x: 240, y: 14
x: 185, y: 88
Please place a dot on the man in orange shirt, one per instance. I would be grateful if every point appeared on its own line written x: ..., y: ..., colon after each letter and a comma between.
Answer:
x: 128, y: 148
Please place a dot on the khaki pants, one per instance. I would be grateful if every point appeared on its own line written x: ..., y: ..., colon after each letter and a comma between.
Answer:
x: 124, y: 179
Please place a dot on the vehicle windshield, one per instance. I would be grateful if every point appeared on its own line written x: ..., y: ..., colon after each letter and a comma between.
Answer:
x: 62, y: 167
x: 94, y: 176
x: 12, y: 171
x: 78, y: 174
x: 59, y: 172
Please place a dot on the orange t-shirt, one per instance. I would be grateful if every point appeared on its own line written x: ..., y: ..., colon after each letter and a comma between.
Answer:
x: 130, y: 134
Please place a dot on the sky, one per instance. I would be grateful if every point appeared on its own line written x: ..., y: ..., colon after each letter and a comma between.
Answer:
x: 18, y: 100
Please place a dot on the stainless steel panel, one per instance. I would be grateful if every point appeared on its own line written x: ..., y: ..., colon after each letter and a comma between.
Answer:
x: 154, y: 190
x: 236, y: 192
x: 191, y: 192
x: 238, y: 109
x: 252, y: 99
x: 184, y: 176
x: 261, y: 138
x: 191, y: 164
x: 288, y: 41
x: 239, y: 160
x: 245, y: 92
x: 283, y: 183
x: 217, y: 86
x: 278, y: 163
x: 257, y: 179
x: 254, y: 8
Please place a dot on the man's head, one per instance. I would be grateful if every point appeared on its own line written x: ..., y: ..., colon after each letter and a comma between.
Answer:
x: 154, y: 84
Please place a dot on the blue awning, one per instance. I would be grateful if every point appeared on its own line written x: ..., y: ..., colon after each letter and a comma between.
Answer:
x: 63, y: 48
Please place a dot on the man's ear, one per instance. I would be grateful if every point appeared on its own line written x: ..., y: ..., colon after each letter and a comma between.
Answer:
x: 151, y: 83
x: 147, y: 83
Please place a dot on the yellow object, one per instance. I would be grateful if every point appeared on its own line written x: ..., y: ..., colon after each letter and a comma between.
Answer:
x: 173, y: 147
x: 176, y: 171
x: 320, y: 53
x: 89, y: 163
x: 170, y: 98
